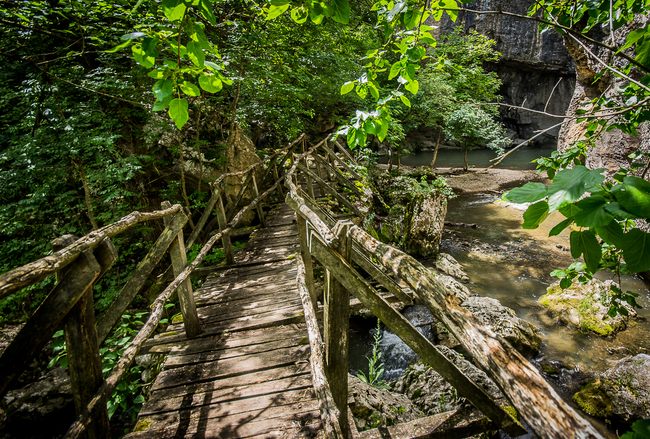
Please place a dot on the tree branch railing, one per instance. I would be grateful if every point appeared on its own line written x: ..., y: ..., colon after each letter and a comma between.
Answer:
x: 80, y: 263
x: 334, y: 246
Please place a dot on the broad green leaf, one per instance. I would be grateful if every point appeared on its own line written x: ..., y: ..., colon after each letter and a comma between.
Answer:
x: 162, y: 88
x: 592, y: 212
x: 617, y: 210
x: 560, y: 226
x: 212, y: 66
x: 160, y: 105
x: 157, y: 74
x: 413, y: 87
x: 132, y: 36
x: 585, y: 242
x: 634, y: 196
x: 141, y: 57
x: 570, y: 184
x: 373, y: 90
x: 362, y: 91
x: 341, y: 11
x: 383, y: 131
x: 195, y: 53
x: 395, y: 70
x: 149, y: 46
x: 636, y: 250
x: 347, y: 87
x: 178, y: 112
x: 276, y: 11
x: 535, y: 215
x: 315, y: 17
x: 211, y: 84
x: 528, y: 193
x: 611, y: 233
x: 190, y: 89
x: 409, y: 72
x: 411, y: 18
x: 119, y: 47
x: 405, y: 101
x: 205, y: 7
x: 632, y: 38
x: 299, y: 15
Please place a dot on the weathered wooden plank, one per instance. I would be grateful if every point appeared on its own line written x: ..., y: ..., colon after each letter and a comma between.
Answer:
x: 257, y: 377
x: 231, y: 352
x: 328, y: 410
x: 38, y: 330
x: 539, y: 404
x: 298, y: 420
x: 244, y: 266
x: 280, y: 313
x: 240, y: 290
x: 226, y: 394
x: 191, y: 321
x: 374, y: 271
x: 110, y: 318
x: 33, y: 272
x: 252, y: 306
x: 308, y: 273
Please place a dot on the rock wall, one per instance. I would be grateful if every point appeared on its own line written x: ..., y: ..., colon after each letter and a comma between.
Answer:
x: 536, y: 69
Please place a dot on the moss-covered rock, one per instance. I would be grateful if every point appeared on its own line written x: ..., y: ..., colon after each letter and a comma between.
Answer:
x: 585, y: 306
x: 423, y: 224
x: 594, y: 401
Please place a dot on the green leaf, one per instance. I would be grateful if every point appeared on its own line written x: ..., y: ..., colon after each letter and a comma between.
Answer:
x: 559, y: 227
x: 347, y: 87
x: 299, y: 15
x: 205, y: 7
x: 535, y: 215
x: 383, y: 131
x: 373, y: 90
x: 632, y: 38
x: 405, y: 101
x: 132, y: 36
x: 163, y: 88
x: 611, y: 233
x: 141, y: 57
x: 585, y: 242
x: 528, y: 193
x: 119, y: 47
x: 362, y: 91
x: 395, y: 70
x: 276, y: 11
x: 617, y: 210
x: 195, y: 53
x: 211, y: 84
x: 412, y: 86
x: 341, y: 11
x: 636, y: 250
x: 190, y: 89
x: 570, y: 184
x: 178, y: 112
x: 149, y: 46
x: 634, y: 196
x: 592, y: 212
x: 157, y: 74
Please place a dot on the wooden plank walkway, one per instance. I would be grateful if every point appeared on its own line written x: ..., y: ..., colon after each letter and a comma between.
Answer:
x: 247, y: 374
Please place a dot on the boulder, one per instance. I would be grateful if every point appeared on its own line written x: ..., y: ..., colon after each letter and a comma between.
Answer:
x: 432, y: 394
x: 582, y: 306
x: 622, y: 391
x: 372, y: 407
x: 424, y: 222
x: 503, y: 321
x: 447, y: 264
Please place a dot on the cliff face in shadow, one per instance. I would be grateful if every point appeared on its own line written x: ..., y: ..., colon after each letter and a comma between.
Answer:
x: 536, y: 69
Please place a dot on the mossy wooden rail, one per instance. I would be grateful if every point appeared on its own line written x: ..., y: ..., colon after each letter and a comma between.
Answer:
x: 80, y: 263
x: 537, y: 402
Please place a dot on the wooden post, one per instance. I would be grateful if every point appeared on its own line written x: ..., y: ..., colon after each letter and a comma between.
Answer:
x: 303, y: 230
x: 277, y: 177
x: 139, y: 276
x: 337, y: 323
x: 204, y: 218
x: 185, y: 295
x: 260, y: 211
x: 227, y: 245
x: 84, y: 363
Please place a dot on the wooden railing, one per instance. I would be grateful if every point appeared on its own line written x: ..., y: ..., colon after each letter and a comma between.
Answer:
x: 80, y: 263
x: 336, y: 246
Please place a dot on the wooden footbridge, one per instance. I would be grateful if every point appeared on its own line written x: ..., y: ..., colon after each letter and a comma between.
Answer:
x: 256, y: 354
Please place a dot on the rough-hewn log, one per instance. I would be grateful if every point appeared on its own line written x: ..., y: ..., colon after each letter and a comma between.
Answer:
x: 240, y: 195
x: 328, y: 411
x: 539, y: 404
x: 260, y: 211
x: 397, y: 323
x: 347, y: 183
x: 342, y: 162
x: 306, y: 258
x: 38, y: 330
x: 178, y: 254
x: 204, y: 217
x: 139, y: 276
x: 316, y: 223
x: 336, y: 324
x: 345, y: 152
x: 276, y: 175
x: 225, y: 241
x: 341, y: 199
x: 26, y: 275
x: 381, y: 277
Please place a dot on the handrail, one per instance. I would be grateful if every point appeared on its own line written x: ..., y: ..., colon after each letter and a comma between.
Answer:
x: 538, y: 403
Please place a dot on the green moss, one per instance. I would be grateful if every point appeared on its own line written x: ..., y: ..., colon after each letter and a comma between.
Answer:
x: 290, y: 257
x: 167, y: 334
x: 143, y: 424
x: 512, y: 412
x: 417, y: 393
x: 550, y: 369
x: 594, y: 401
x: 178, y: 318
x: 303, y: 341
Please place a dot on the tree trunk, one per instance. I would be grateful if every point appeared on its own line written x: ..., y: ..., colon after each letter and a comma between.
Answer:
x: 465, y: 157
x: 435, y: 151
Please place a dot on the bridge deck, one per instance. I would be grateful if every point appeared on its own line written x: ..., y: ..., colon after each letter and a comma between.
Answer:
x: 247, y: 374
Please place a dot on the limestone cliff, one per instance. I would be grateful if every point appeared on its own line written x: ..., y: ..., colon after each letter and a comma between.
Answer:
x: 536, y: 69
